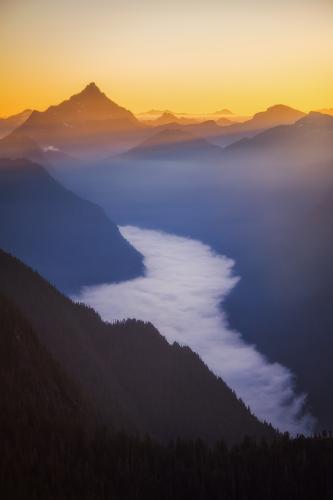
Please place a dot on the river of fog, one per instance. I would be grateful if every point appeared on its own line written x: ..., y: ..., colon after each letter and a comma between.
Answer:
x: 181, y: 294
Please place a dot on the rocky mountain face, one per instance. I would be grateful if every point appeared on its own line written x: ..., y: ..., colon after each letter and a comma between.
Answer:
x: 68, y: 240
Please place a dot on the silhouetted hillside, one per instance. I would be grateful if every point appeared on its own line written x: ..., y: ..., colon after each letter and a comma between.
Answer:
x: 133, y: 377
x: 49, y: 448
x: 34, y: 390
x: 68, y: 240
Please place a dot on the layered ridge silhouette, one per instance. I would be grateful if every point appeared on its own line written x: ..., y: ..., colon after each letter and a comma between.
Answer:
x: 68, y: 240
x: 128, y: 372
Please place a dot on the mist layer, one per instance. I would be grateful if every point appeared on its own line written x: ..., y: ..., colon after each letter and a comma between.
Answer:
x: 181, y: 294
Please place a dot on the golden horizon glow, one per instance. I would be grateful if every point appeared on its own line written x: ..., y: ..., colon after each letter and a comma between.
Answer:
x: 187, y: 55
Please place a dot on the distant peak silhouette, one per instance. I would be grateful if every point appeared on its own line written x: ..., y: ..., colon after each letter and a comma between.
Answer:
x: 91, y: 88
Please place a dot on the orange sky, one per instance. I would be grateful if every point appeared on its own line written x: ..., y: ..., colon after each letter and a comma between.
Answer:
x: 185, y: 55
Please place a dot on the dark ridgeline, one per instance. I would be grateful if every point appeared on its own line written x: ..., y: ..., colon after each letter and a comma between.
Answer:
x: 34, y: 389
x: 68, y: 240
x: 133, y: 377
x: 53, y: 445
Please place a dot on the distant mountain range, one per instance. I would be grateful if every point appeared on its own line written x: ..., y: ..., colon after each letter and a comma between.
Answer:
x: 172, y: 143
x: 89, y: 126
x: 126, y: 372
x: 273, y: 116
x: 308, y: 139
x: 180, y: 141
x: 68, y: 240
x: 224, y: 131
x: 155, y: 113
x: 167, y: 117
x: 203, y: 129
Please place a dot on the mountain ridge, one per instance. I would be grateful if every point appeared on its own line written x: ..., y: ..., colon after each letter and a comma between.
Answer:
x: 172, y: 143
x: 68, y: 239
x: 134, y: 379
x: 278, y: 114
x: 11, y: 122
x: 86, y: 123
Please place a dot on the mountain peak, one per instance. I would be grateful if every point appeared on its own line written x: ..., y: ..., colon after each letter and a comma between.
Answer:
x: 92, y: 85
x: 280, y: 107
x: 91, y: 89
x: 87, y: 113
x: 278, y: 114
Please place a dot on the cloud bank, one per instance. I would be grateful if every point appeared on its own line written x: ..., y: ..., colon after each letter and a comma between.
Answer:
x: 181, y: 294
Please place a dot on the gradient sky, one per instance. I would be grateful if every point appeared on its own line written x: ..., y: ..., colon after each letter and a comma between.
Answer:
x: 185, y: 55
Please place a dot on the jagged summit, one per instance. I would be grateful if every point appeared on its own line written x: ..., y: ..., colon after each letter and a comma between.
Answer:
x: 91, y: 93
x: 88, y: 113
x: 91, y: 90
x: 91, y: 87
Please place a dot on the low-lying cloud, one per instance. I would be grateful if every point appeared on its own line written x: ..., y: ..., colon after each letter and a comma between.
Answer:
x: 181, y: 294
x: 50, y: 148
